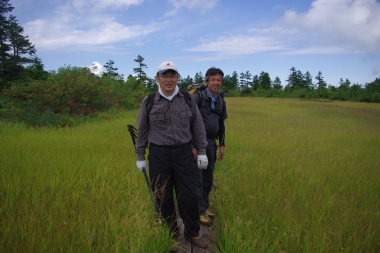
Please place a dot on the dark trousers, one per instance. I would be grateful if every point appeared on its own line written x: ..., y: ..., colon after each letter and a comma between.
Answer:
x: 205, y: 179
x: 172, y: 167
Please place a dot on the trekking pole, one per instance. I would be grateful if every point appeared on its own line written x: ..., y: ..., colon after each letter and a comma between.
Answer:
x: 133, y: 132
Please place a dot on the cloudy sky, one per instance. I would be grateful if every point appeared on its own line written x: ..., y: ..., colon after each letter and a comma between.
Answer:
x: 340, y: 38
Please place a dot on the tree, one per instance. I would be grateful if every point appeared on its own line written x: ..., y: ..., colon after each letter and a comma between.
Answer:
x: 265, y: 81
x: 255, y: 82
x: 19, y: 43
x: 5, y: 47
x: 111, y: 70
x: 245, y: 81
x: 248, y: 77
x: 139, y: 71
x: 35, y: 71
x: 198, y: 78
x: 300, y: 80
x: 295, y: 79
x: 292, y: 79
x: 344, y: 85
x: 242, y: 81
x: 13, y: 47
x: 230, y: 82
x: 151, y: 84
x: 341, y: 82
x: 277, y: 83
x: 184, y: 82
x: 307, y: 80
x: 373, y: 87
x: 321, y: 84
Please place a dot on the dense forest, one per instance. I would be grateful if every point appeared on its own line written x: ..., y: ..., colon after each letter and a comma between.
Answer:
x: 30, y: 94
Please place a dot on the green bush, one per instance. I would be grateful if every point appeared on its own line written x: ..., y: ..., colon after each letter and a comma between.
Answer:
x: 232, y: 93
x: 48, y: 118
x: 67, y: 94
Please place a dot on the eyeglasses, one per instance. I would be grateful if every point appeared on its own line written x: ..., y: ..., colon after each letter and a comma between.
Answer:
x: 168, y: 77
x: 216, y: 79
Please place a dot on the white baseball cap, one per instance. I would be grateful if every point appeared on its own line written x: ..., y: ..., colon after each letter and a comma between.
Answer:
x: 165, y: 66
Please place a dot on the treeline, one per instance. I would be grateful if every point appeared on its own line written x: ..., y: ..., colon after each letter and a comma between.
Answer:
x: 62, y: 97
x: 30, y: 94
x: 298, y: 85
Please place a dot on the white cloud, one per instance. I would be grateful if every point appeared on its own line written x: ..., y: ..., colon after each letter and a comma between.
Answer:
x: 96, y: 5
x: 317, y: 50
x: 238, y: 45
x: 61, y: 32
x: 376, y: 70
x: 79, y: 22
x: 202, y: 5
x: 353, y: 23
x: 96, y: 68
x: 329, y: 27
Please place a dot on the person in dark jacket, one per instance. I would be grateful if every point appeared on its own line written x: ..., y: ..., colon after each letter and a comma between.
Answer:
x: 171, y: 128
x: 213, y: 110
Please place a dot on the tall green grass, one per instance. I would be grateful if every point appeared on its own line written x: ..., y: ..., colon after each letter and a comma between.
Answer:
x: 299, y: 176
x: 75, y: 190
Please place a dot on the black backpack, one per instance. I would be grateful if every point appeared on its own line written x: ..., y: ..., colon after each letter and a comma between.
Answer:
x: 200, y: 89
x: 196, y: 87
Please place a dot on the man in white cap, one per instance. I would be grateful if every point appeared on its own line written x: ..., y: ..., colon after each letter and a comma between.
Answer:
x: 171, y: 125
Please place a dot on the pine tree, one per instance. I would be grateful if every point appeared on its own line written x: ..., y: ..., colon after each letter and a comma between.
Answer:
x: 277, y: 83
x: 307, y: 80
x: 299, y: 80
x: 242, y: 81
x: 184, y: 82
x: 292, y: 79
x: 139, y: 71
x: 265, y: 81
x: 248, y: 78
x: 198, y: 78
x: 234, y: 78
x: 111, y: 70
x: 5, y: 47
x: 255, y: 82
x: 321, y: 84
x: 230, y: 82
x: 36, y: 71
x: 14, y: 47
x: 344, y: 85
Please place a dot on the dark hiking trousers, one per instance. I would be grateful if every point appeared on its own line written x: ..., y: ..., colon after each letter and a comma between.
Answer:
x: 172, y: 167
x: 205, y: 179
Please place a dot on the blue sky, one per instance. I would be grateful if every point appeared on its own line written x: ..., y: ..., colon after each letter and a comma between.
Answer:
x: 340, y: 38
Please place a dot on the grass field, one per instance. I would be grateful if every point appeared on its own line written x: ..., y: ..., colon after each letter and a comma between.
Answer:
x: 299, y: 176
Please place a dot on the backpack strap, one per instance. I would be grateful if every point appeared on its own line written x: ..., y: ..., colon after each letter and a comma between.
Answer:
x: 149, y: 104
x: 186, y: 94
x: 221, y: 103
x: 201, y: 94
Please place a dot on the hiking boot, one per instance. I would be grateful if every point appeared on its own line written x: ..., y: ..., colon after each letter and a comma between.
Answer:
x: 210, y: 214
x: 199, y: 242
x: 205, y: 220
x: 174, y: 242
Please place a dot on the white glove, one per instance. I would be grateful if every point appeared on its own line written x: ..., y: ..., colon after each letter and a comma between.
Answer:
x: 141, y: 165
x: 202, y: 162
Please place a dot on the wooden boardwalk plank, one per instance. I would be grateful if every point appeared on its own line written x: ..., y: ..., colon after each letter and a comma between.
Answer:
x: 187, y: 247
